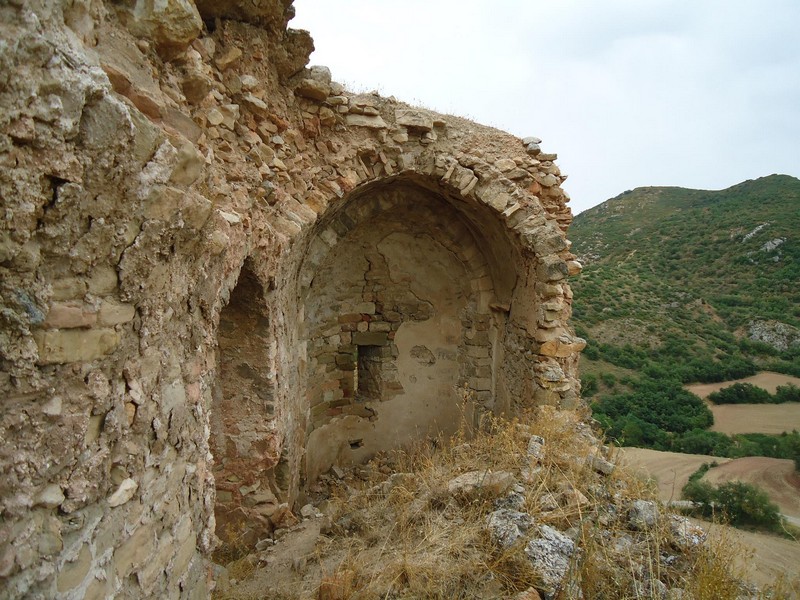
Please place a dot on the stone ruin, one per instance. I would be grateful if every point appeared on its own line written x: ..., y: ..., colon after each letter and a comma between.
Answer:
x: 223, y: 275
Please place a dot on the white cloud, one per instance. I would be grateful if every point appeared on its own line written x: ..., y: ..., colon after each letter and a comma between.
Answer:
x: 629, y: 93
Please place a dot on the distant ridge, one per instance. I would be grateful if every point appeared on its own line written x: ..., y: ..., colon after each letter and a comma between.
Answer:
x: 693, y: 269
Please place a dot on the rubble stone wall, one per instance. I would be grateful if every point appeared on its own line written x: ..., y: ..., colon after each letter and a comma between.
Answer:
x: 214, y: 261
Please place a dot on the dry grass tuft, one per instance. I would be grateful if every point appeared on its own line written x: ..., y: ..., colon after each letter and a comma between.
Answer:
x: 407, y: 536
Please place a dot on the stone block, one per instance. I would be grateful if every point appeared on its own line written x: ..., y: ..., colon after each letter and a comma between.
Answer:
x: 134, y: 551
x: 74, y: 345
x: 71, y: 288
x: 115, y: 313
x: 366, y: 308
x: 414, y: 119
x: 313, y: 89
x: 190, y: 165
x: 104, y: 280
x: 171, y: 24
x: 574, y: 267
x: 73, y: 573
x: 505, y: 164
x: 186, y: 537
x: 544, y: 239
x: 67, y: 315
x: 552, y: 268
x: 371, y: 122
x: 349, y: 318
x: 124, y: 492
x: 480, y: 384
x: 562, y: 347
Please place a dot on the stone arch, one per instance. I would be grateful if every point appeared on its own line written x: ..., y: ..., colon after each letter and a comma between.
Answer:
x: 406, y: 287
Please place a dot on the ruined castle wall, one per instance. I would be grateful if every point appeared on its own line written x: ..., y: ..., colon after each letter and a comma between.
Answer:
x: 172, y: 182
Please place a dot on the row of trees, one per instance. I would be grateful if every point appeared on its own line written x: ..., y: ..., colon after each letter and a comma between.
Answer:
x: 662, y: 415
x: 747, y: 393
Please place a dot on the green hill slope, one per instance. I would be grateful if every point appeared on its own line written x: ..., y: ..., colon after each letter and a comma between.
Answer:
x: 677, y: 282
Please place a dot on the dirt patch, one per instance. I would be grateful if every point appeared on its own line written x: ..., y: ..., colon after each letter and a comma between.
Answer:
x: 756, y: 418
x: 671, y: 470
x: 767, y: 380
x: 774, y: 475
x: 752, y: 418
x: 764, y: 558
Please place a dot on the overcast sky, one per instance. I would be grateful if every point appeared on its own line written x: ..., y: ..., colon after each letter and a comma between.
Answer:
x: 693, y: 93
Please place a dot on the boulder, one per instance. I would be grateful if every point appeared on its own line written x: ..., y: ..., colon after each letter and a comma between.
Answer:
x: 506, y: 526
x: 414, y: 119
x: 170, y: 24
x: 550, y: 555
x: 477, y: 482
x: 643, y: 514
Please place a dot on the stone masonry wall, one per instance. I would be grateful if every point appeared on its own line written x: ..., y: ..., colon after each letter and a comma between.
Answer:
x: 176, y: 185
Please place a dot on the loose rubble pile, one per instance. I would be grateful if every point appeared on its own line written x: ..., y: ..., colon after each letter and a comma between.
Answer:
x: 538, y: 512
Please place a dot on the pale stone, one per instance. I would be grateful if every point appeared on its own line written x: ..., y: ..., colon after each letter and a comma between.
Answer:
x: 73, y: 573
x: 74, y: 345
x: 104, y: 280
x: 231, y: 217
x: 365, y: 121
x: 550, y: 555
x: 506, y: 526
x: 228, y: 58
x: 115, y: 313
x: 255, y: 104
x: 505, y: 164
x: 601, y: 465
x: 574, y: 267
x: 565, y: 345
x: 552, y: 268
x: 123, y: 493
x: 643, y: 514
x: 66, y: 315
x: 313, y: 89
x: 51, y: 496
x: 536, y: 448
x: 170, y: 24
x: 495, y: 483
x: 414, y: 119
x: 214, y: 116
x: 544, y: 240
x: 189, y: 167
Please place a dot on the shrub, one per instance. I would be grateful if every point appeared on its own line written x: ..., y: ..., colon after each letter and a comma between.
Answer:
x: 739, y: 503
x: 787, y: 393
x: 700, y: 441
x: 609, y: 379
x: 741, y: 393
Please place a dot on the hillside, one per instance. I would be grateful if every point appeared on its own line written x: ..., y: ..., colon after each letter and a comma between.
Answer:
x: 683, y: 286
x: 673, y: 270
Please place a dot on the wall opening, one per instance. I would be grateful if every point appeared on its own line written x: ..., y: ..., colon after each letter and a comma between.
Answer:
x: 247, y: 454
x: 397, y: 325
x: 376, y: 373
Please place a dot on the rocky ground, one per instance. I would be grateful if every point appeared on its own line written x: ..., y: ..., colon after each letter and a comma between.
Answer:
x: 527, y: 509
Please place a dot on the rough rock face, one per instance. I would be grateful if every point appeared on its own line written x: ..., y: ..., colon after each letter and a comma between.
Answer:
x: 221, y: 274
x: 780, y: 336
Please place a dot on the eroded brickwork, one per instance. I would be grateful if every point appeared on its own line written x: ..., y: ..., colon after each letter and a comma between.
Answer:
x: 213, y: 258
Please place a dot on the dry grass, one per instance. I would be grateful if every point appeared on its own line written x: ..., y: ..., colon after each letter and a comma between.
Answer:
x: 407, y: 536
